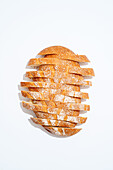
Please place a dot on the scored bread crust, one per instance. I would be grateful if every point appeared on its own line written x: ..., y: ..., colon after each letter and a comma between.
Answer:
x: 59, y: 131
x: 55, y: 50
x: 64, y: 53
x: 52, y: 122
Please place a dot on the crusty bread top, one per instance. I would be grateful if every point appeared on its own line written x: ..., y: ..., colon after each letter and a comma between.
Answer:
x: 64, y: 53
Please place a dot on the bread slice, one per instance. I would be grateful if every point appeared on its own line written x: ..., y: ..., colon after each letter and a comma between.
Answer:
x: 63, y: 62
x: 37, y: 85
x: 69, y: 81
x: 53, y: 109
x: 68, y: 106
x: 58, y: 77
x: 69, y: 69
x: 42, y: 106
x: 51, y: 122
x: 49, y: 96
x: 54, y: 61
x: 62, y: 92
x: 53, y: 74
x: 73, y: 119
x: 59, y: 131
x: 64, y: 53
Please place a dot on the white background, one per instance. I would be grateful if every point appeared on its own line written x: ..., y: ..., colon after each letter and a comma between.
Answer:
x: 26, y: 27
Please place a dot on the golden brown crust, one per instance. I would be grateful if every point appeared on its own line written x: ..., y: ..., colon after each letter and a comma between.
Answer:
x: 64, y: 53
x: 55, y: 50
